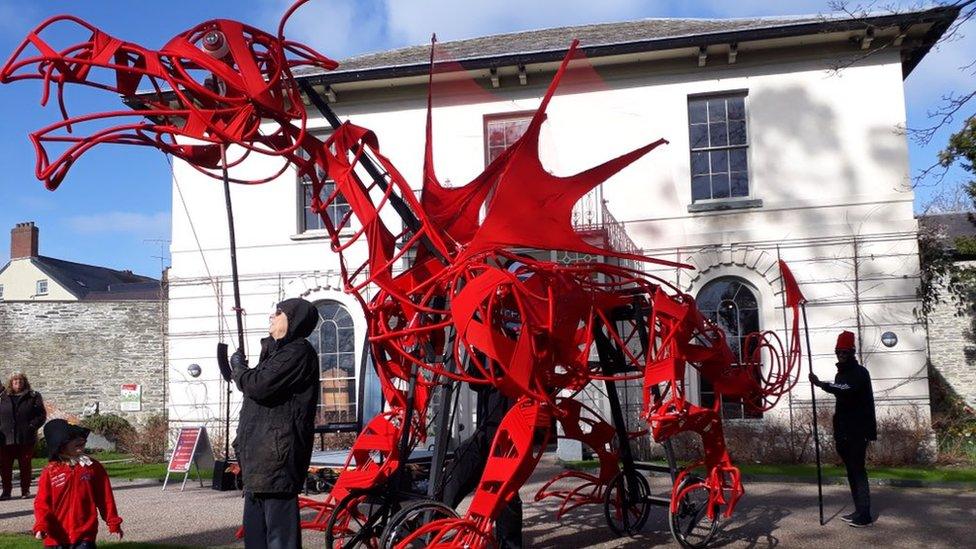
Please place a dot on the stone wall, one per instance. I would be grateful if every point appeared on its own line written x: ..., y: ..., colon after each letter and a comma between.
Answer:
x: 76, y: 353
x: 952, y: 346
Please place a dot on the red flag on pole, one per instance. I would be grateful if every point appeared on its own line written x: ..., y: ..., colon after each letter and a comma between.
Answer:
x: 793, y: 294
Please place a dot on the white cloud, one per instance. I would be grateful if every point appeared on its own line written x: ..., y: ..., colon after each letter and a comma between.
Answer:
x: 336, y: 28
x: 133, y: 223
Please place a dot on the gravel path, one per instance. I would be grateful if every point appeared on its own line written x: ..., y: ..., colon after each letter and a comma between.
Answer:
x: 769, y: 515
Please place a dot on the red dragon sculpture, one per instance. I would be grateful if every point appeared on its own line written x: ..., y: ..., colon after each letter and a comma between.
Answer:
x: 446, y: 305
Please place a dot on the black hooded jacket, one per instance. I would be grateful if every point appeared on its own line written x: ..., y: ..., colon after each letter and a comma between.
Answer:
x: 281, y: 394
x: 854, y: 411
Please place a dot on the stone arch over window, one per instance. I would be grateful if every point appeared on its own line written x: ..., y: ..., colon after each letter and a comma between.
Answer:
x: 334, y: 341
x: 732, y: 304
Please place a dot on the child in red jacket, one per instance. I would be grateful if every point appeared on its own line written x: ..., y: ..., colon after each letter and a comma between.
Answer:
x: 72, y: 491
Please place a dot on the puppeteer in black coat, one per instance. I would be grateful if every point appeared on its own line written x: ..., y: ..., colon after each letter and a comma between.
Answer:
x: 276, y: 428
x: 854, y: 423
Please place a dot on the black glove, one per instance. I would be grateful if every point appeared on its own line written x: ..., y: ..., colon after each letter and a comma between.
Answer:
x: 237, y: 360
x: 814, y: 379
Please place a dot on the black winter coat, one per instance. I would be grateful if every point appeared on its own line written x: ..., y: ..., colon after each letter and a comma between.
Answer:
x: 854, y: 410
x: 20, y: 418
x: 276, y: 428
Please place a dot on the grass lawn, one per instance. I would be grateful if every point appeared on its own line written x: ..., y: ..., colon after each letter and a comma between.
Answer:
x: 24, y: 541
x: 926, y: 474
x: 121, y: 466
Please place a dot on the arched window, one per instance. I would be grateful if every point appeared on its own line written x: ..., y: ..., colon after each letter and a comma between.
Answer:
x: 335, y: 342
x: 730, y: 303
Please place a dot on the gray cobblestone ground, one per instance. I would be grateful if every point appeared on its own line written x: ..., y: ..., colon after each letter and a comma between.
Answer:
x: 770, y: 515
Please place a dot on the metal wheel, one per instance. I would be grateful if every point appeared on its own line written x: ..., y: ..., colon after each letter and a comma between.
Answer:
x: 625, y: 503
x: 412, y: 517
x: 690, y: 524
x: 356, y: 523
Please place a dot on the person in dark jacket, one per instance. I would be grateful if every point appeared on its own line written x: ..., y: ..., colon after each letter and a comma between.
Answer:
x: 854, y: 423
x: 22, y: 413
x: 275, y: 430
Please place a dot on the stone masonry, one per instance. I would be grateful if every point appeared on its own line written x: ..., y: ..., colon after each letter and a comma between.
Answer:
x: 76, y: 353
x: 952, y: 346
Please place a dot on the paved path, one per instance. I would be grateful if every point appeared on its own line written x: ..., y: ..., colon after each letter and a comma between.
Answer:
x: 770, y: 515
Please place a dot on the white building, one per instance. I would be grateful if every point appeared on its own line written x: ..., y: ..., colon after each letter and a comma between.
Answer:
x: 772, y: 152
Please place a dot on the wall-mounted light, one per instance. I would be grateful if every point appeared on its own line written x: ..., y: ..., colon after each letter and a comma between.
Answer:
x: 194, y: 370
x: 889, y: 339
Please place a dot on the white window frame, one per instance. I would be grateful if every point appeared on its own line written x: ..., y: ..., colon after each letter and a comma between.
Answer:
x: 747, y: 146
x: 756, y: 294
x: 38, y: 286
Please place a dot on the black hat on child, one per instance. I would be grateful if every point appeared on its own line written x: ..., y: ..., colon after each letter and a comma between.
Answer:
x: 58, y: 432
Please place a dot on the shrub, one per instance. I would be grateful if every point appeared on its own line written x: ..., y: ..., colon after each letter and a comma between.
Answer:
x: 904, y: 438
x: 115, y: 428
x: 148, y: 445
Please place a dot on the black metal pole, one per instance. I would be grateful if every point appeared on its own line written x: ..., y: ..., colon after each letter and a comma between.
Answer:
x: 401, y: 207
x: 813, y: 396
x: 238, y: 312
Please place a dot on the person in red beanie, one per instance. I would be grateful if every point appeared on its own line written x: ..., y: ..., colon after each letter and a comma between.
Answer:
x: 72, y: 492
x: 854, y: 423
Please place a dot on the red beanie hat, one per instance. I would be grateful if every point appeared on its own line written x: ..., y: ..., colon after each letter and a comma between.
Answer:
x: 845, y: 341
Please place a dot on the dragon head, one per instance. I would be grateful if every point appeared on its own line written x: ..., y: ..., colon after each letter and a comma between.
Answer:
x: 217, y: 84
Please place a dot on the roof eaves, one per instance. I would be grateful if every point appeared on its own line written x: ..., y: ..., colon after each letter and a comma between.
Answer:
x: 940, y: 17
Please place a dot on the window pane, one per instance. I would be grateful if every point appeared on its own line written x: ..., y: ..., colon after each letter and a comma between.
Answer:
x: 699, y: 136
x: 328, y: 364
x: 312, y: 221
x: 748, y: 313
x: 706, y: 393
x: 737, y: 132
x: 346, y: 341
x: 343, y: 318
x: 720, y: 161
x: 347, y: 364
x: 737, y: 160
x: 514, y: 130
x: 328, y: 333
x: 699, y: 163
x: 720, y: 186
x: 740, y: 184
x: 718, y: 135
x: 716, y: 110
x: 700, y: 189
x: 733, y: 306
x: 737, y: 108
x: 697, y: 111
x: 496, y: 136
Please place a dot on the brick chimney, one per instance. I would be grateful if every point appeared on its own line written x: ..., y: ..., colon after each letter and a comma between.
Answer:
x: 23, y: 240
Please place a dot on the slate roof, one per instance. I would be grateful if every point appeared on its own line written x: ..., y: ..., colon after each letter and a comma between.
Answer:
x: 559, y: 38
x: 90, y: 282
x: 625, y: 37
x: 954, y: 224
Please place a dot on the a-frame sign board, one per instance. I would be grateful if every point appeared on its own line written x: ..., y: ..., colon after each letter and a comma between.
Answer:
x: 192, y: 446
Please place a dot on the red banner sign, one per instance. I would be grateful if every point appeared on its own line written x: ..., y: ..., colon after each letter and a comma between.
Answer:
x: 186, y: 444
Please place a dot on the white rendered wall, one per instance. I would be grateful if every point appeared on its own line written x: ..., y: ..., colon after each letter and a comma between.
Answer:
x: 19, y: 282
x: 825, y: 158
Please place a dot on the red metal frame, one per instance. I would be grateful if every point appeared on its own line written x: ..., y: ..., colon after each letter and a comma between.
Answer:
x: 526, y: 330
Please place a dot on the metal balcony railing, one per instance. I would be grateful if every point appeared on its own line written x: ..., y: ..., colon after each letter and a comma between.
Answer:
x: 591, y: 214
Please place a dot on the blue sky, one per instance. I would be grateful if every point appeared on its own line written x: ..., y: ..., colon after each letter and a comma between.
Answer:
x: 116, y: 197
